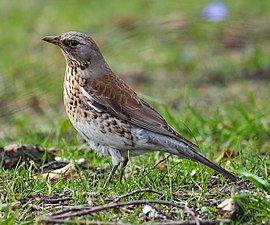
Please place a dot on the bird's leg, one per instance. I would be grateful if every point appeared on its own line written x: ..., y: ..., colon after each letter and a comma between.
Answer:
x: 110, y: 175
x: 123, y: 167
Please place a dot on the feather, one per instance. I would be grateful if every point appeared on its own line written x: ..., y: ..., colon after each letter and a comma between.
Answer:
x: 113, y: 95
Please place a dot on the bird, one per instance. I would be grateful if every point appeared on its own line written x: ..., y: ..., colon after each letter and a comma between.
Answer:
x: 109, y: 114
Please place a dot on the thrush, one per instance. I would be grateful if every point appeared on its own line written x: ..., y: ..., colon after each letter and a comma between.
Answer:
x: 109, y: 115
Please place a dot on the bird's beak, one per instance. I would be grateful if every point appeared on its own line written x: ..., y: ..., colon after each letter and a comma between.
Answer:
x: 52, y: 39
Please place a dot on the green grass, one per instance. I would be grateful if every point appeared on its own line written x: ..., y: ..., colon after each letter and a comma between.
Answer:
x: 213, y: 94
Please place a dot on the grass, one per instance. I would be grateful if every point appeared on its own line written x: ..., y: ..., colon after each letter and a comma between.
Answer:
x: 209, y: 81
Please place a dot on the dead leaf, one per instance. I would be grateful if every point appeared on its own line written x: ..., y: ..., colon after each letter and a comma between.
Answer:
x: 228, y: 205
x: 229, y: 208
x: 12, y: 154
x: 65, y: 172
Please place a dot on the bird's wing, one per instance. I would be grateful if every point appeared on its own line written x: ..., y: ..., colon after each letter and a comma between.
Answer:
x: 111, y: 94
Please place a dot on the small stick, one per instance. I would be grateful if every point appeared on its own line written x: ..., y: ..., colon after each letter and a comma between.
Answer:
x: 193, y: 222
x: 54, y: 200
x: 81, y: 222
x: 196, y: 219
x: 161, y: 161
x: 88, y: 211
x: 71, y: 209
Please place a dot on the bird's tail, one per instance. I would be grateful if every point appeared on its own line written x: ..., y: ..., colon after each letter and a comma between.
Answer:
x: 187, y: 151
x: 198, y: 157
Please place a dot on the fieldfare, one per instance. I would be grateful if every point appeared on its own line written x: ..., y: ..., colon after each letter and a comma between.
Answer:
x: 109, y: 115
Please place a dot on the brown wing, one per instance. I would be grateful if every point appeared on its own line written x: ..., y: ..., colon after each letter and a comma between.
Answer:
x: 111, y: 94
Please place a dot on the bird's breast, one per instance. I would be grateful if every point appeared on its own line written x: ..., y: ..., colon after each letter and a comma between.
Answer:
x: 95, y: 126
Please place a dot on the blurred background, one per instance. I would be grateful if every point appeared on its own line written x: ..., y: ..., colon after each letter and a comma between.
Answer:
x: 204, y: 54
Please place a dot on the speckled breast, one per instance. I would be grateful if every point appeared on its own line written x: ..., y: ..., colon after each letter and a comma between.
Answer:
x: 98, y: 128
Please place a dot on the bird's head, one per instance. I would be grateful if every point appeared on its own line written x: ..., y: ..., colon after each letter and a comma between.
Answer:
x: 78, y: 49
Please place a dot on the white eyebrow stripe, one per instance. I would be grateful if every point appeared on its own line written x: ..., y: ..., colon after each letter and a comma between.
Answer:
x: 90, y: 99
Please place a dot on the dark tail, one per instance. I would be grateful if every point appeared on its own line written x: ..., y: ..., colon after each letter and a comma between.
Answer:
x: 186, y: 150
x: 198, y: 157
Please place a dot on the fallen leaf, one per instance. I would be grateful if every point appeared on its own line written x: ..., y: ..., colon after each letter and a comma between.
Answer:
x: 65, y: 172
x: 16, y: 153
x: 229, y: 208
x: 227, y: 205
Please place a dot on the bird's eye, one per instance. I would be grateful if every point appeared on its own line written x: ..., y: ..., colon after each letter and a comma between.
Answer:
x: 73, y: 43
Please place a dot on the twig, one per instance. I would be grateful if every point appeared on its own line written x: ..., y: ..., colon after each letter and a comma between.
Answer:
x: 196, y: 219
x: 161, y: 161
x: 54, y: 200
x: 135, y: 192
x: 71, y: 209
x: 61, y: 216
x: 65, y: 213
x: 142, y: 190
x: 65, y: 207
x: 82, y: 222
x: 193, y: 222
x: 52, y: 166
